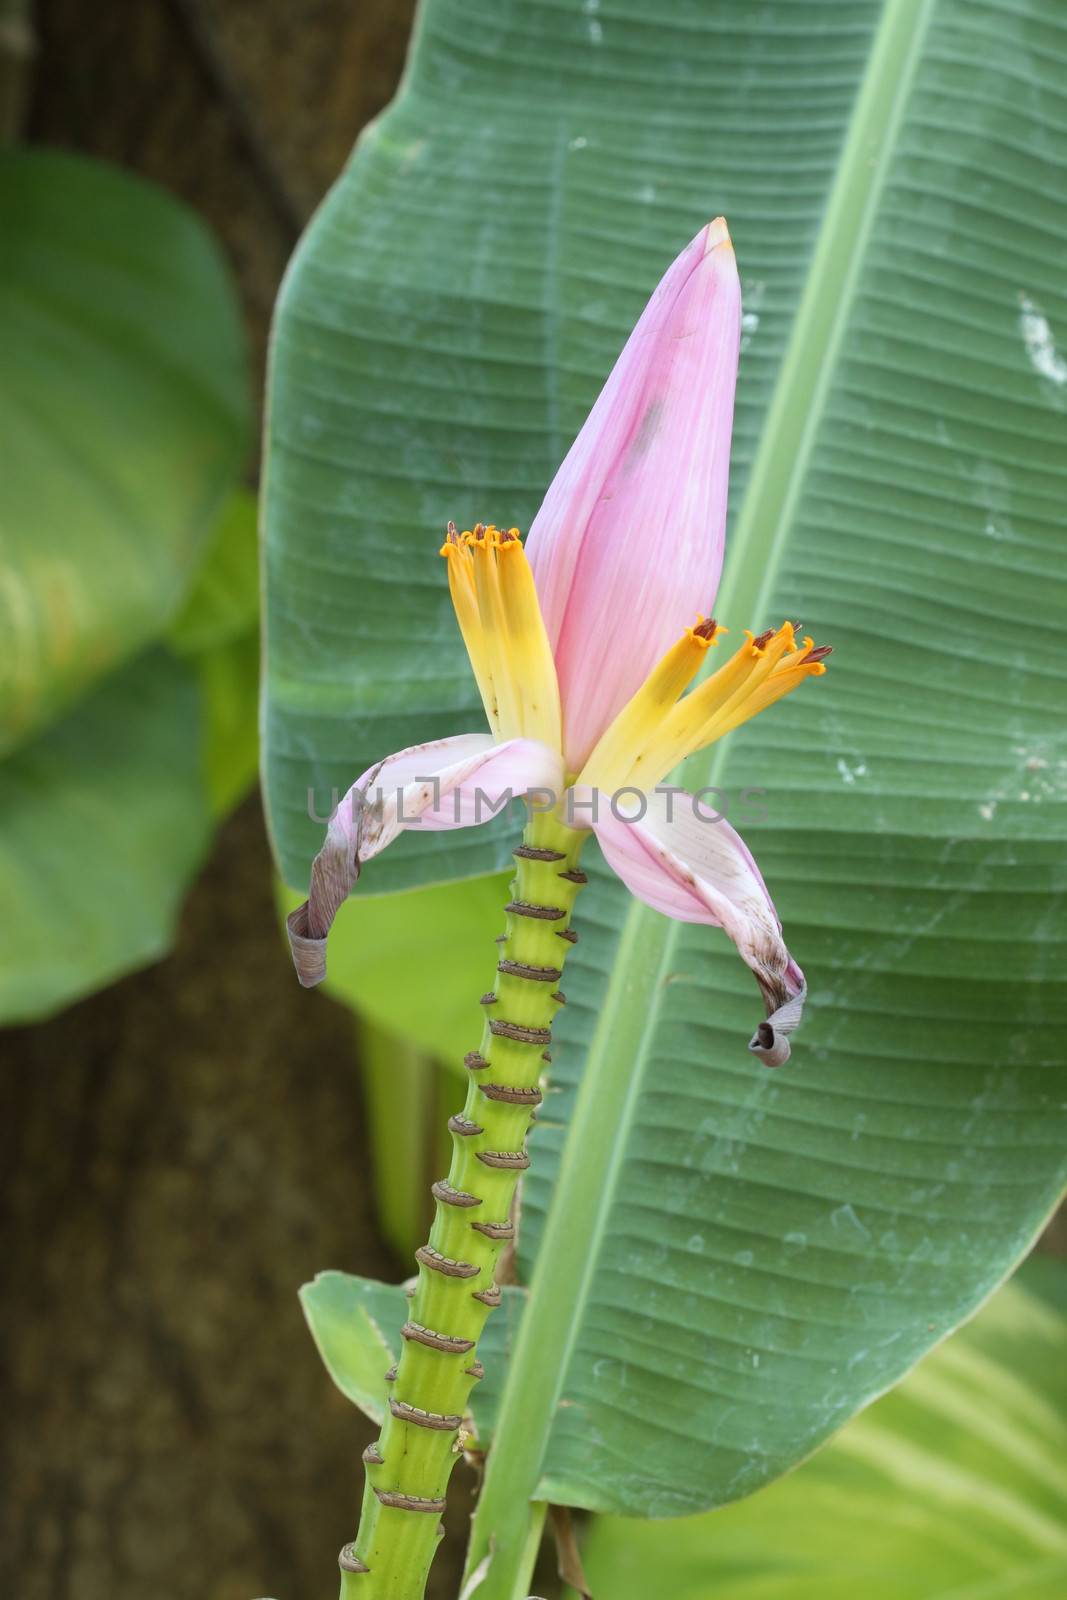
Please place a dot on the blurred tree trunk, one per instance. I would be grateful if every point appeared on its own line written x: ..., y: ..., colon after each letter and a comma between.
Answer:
x: 247, y: 109
x: 180, y: 1153
x: 16, y: 54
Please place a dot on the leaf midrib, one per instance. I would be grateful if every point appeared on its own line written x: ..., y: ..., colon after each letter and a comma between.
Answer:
x: 585, y: 1191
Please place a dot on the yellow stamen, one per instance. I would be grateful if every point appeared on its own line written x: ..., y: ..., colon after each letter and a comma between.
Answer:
x: 494, y: 629
x: 465, y: 600
x: 618, y: 755
x: 781, y: 682
x: 500, y: 619
x: 529, y: 649
x: 657, y: 730
x: 695, y: 722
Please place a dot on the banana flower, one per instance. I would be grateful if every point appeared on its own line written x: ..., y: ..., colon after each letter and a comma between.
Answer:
x: 584, y: 643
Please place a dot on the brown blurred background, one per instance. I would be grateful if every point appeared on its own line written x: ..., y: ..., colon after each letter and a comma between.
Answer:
x: 183, y: 1150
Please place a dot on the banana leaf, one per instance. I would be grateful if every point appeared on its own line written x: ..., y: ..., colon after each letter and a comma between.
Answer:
x: 726, y: 1263
x: 952, y: 1486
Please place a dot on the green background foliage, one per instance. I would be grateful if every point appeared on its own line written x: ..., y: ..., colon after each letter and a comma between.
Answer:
x: 105, y: 820
x: 440, y: 933
x: 125, y: 407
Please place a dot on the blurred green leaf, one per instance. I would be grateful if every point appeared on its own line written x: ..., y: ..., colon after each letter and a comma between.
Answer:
x: 952, y: 1488
x: 407, y: 1153
x: 103, y: 821
x: 223, y: 604
x: 124, y: 407
x: 228, y: 674
x: 416, y: 963
x: 218, y: 630
x: 731, y: 1261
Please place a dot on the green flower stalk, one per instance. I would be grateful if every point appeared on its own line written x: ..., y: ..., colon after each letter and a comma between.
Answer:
x: 409, y: 1467
x: 583, y: 646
